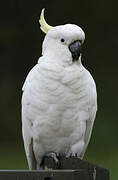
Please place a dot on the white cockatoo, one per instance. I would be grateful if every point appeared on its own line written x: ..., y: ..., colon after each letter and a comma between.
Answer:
x: 59, y: 100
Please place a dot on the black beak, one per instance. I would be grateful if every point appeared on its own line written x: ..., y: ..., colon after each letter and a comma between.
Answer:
x: 75, y: 49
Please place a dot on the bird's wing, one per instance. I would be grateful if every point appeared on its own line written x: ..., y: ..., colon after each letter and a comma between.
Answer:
x: 92, y: 112
x: 26, y: 123
x: 28, y: 143
x: 30, y: 77
x: 89, y: 127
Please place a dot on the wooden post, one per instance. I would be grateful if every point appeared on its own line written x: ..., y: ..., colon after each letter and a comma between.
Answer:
x: 92, y: 171
x: 69, y: 169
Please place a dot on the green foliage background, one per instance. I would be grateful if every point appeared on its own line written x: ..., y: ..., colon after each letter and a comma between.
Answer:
x: 20, y: 45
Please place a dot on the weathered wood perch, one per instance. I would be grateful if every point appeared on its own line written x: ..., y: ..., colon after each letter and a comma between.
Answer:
x: 68, y: 169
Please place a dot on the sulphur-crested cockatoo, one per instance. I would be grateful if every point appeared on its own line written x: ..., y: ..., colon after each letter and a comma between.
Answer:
x: 59, y: 101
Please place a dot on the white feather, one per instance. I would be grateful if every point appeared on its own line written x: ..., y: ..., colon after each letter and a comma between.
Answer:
x: 59, y: 105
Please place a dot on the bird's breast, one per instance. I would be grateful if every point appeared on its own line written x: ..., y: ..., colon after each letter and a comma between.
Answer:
x: 55, y: 100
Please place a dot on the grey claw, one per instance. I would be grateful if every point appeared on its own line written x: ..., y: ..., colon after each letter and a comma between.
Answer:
x: 54, y: 156
x: 71, y: 155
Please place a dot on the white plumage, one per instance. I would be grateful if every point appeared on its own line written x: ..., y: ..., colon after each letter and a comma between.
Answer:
x: 59, y: 101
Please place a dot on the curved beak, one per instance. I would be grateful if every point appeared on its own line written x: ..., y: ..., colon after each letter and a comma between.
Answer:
x: 75, y: 49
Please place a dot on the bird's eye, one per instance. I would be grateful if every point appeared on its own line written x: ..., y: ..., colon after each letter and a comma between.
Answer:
x: 62, y: 40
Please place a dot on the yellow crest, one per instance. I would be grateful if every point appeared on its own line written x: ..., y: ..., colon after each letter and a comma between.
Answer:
x: 44, y: 26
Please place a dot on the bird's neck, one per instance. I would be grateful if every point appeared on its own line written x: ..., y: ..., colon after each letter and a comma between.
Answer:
x: 64, y: 61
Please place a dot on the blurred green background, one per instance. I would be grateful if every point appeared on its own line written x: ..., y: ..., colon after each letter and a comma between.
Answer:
x: 20, y: 48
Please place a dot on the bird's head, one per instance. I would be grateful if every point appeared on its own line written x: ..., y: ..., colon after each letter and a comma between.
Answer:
x: 63, y: 42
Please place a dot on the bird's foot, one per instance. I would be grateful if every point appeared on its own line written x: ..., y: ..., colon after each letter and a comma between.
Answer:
x: 71, y: 155
x: 47, y: 169
x: 53, y: 155
x: 50, y: 161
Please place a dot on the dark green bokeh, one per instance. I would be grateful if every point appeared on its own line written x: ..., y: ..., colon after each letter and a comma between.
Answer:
x: 20, y: 45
